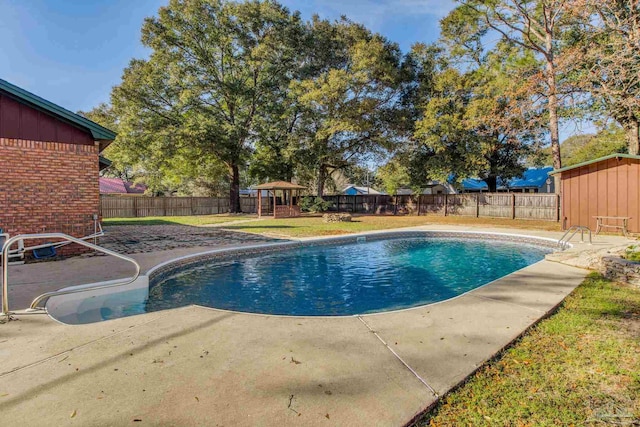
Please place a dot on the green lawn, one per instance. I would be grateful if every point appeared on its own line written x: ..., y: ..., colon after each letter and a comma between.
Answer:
x: 312, y: 225
x: 579, y: 367
x: 195, y: 220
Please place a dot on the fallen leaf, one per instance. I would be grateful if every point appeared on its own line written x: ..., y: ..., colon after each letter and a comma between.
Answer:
x: 197, y: 399
x: 295, y: 361
x: 137, y: 420
x: 327, y: 416
x: 73, y: 414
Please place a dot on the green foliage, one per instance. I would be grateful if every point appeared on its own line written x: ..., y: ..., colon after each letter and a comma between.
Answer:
x: 314, y: 204
x: 215, y: 66
x: 123, y: 160
x: 471, y: 126
x: 394, y: 175
x: 606, y: 142
x: 347, y: 109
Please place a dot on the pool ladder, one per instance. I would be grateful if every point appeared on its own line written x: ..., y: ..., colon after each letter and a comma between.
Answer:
x: 5, y: 314
x: 564, y: 240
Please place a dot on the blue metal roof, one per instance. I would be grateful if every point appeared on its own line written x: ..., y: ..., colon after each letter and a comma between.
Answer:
x: 532, y: 178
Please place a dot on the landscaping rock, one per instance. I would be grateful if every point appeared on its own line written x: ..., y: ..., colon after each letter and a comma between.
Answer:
x: 336, y: 217
x: 621, y: 270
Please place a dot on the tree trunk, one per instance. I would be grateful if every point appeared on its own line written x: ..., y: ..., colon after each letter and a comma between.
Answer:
x: 322, y: 177
x: 553, y: 110
x: 492, y: 183
x: 632, y: 129
x: 234, y: 191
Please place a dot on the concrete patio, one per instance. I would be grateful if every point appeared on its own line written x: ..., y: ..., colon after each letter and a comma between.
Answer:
x: 201, y: 366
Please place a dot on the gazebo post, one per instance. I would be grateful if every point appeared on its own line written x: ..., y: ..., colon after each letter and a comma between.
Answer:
x: 275, y: 201
x: 259, y: 203
x: 290, y: 202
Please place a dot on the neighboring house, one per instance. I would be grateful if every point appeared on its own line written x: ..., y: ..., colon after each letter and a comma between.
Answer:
x: 433, y: 187
x: 249, y: 192
x: 534, y: 180
x: 50, y: 164
x: 353, y: 190
x: 120, y: 186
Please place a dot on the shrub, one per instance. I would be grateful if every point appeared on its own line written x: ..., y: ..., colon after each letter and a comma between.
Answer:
x: 314, y: 204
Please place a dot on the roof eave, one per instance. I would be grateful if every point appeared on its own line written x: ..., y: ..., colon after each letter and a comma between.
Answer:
x: 599, y: 159
x: 97, y: 131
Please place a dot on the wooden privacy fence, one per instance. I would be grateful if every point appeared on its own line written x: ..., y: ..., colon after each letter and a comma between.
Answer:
x: 138, y: 206
x: 496, y: 205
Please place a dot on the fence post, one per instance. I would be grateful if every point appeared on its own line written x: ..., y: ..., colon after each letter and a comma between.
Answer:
x: 218, y: 204
x: 478, y: 205
x: 446, y: 201
x: 557, y: 203
x: 419, y: 202
x: 513, y: 205
x: 354, y: 203
x: 135, y: 207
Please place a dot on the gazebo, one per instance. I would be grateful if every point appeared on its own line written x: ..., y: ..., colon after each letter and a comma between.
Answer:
x: 285, y: 204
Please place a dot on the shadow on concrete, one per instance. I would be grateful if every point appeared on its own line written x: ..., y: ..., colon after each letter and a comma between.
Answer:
x: 44, y: 387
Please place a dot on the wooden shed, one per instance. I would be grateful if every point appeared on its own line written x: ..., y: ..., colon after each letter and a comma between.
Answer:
x: 607, y: 186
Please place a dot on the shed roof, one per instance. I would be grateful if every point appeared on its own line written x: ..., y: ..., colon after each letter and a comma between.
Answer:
x: 98, y: 132
x: 599, y: 159
x: 279, y: 185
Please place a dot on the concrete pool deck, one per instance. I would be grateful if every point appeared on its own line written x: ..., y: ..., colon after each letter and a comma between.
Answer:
x: 201, y: 366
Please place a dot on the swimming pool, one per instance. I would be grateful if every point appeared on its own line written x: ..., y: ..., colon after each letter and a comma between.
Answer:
x: 326, y: 279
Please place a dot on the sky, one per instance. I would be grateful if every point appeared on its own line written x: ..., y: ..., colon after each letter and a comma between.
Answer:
x: 72, y: 52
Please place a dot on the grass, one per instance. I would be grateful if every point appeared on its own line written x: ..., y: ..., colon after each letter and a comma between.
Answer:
x: 633, y: 253
x: 579, y: 367
x: 195, y: 220
x: 312, y: 225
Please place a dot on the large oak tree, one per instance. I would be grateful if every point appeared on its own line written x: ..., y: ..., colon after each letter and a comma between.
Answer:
x: 216, y: 66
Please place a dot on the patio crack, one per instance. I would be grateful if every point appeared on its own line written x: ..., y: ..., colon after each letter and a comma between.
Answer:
x: 397, y: 356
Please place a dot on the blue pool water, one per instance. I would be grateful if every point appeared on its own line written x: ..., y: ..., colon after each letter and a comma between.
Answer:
x: 344, y: 279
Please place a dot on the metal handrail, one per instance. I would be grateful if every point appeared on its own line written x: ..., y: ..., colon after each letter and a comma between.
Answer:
x: 562, y: 243
x: 34, y: 303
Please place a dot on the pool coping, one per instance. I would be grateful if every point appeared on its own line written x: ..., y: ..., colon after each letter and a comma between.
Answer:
x: 247, y: 339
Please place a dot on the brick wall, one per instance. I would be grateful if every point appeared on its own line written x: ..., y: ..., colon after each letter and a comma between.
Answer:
x: 48, y: 187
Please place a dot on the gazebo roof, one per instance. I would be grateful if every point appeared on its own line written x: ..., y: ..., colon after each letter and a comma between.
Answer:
x: 279, y: 185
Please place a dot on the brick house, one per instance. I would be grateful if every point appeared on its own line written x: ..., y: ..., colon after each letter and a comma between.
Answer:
x: 49, y: 164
